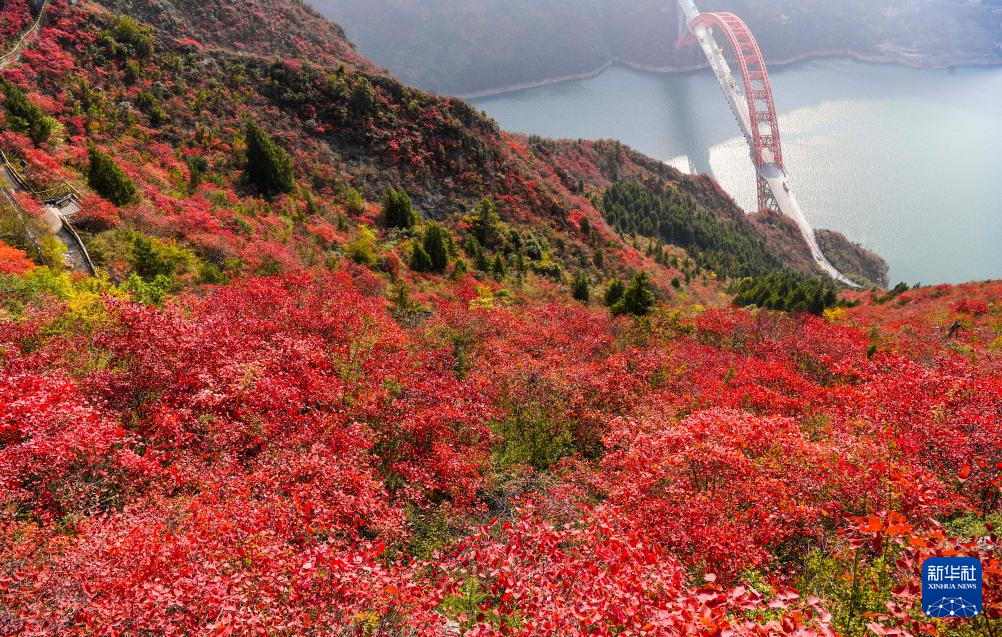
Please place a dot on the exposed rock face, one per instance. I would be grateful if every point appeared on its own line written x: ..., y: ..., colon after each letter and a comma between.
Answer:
x: 852, y: 257
x: 859, y: 264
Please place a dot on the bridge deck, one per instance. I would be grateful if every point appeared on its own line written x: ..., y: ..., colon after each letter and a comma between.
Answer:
x: 774, y: 176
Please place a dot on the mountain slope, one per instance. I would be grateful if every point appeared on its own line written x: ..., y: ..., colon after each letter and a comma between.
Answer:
x: 293, y: 404
x: 295, y: 30
x: 173, y: 119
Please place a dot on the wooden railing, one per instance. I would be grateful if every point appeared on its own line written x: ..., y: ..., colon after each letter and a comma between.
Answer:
x: 87, y: 263
x: 59, y: 194
x: 10, y: 56
x: 22, y: 216
x: 18, y: 171
x: 53, y: 197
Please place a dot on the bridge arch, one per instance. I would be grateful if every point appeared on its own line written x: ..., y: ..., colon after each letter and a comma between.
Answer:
x: 757, y: 91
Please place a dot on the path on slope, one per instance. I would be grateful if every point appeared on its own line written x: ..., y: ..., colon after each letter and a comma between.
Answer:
x: 57, y: 210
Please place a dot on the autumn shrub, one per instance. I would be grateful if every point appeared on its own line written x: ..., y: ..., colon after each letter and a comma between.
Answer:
x: 152, y: 258
x: 532, y: 436
x: 354, y: 202
x: 96, y: 214
x: 356, y: 449
x: 14, y: 261
x: 362, y: 249
x: 149, y: 291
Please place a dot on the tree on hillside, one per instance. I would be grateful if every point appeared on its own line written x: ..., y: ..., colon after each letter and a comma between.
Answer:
x: 499, y: 270
x: 487, y: 224
x: 614, y: 292
x: 420, y: 261
x: 398, y: 210
x: 363, y: 97
x: 638, y: 299
x: 436, y: 245
x: 24, y: 116
x: 580, y: 289
x: 786, y: 292
x: 107, y: 179
x: 268, y: 166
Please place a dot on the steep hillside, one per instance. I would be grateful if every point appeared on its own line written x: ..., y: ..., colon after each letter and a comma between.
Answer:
x: 291, y: 30
x: 458, y: 47
x: 355, y: 362
x: 601, y: 164
x: 172, y: 111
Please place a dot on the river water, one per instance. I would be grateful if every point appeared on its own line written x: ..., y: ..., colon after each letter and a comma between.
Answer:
x: 907, y: 162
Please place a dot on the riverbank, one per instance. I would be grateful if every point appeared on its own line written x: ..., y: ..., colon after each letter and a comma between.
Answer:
x: 896, y: 58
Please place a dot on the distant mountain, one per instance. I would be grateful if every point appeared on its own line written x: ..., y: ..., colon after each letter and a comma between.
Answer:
x: 468, y: 47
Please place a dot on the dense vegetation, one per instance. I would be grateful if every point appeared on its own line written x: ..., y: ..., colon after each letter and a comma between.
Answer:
x: 786, y: 292
x: 370, y: 405
x: 108, y: 179
x: 658, y: 210
x: 24, y: 116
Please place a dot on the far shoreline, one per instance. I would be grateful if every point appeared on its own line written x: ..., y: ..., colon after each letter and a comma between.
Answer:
x: 867, y: 58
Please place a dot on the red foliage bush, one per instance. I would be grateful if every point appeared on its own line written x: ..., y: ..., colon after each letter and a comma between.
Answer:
x: 14, y: 261
x: 96, y: 214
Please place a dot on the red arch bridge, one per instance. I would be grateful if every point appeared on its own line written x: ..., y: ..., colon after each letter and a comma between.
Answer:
x: 736, y: 61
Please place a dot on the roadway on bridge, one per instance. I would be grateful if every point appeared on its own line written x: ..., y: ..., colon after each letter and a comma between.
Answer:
x: 771, y: 172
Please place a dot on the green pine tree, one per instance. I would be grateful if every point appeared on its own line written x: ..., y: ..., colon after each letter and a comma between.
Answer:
x: 398, y: 211
x: 363, y: 97
x: 614, y: 292
x: 436, y: 245
x: 24, y: 116
x: 420, y: 261
x: 487, y: 224
x: 580, y: 289
x: 480, y: 260
x: 499, y: 270
x: 638, y: 299
x: 268, y: 166
x: 108, y: 180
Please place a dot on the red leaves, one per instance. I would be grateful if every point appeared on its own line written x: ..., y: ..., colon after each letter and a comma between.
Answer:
x: 96, y: 214
x: 14, y: 261
x: 262, y: 459
x: 57, y: 453
x: 873, y: 524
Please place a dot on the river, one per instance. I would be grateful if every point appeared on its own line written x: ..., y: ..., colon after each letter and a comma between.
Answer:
x: 907, y: 162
